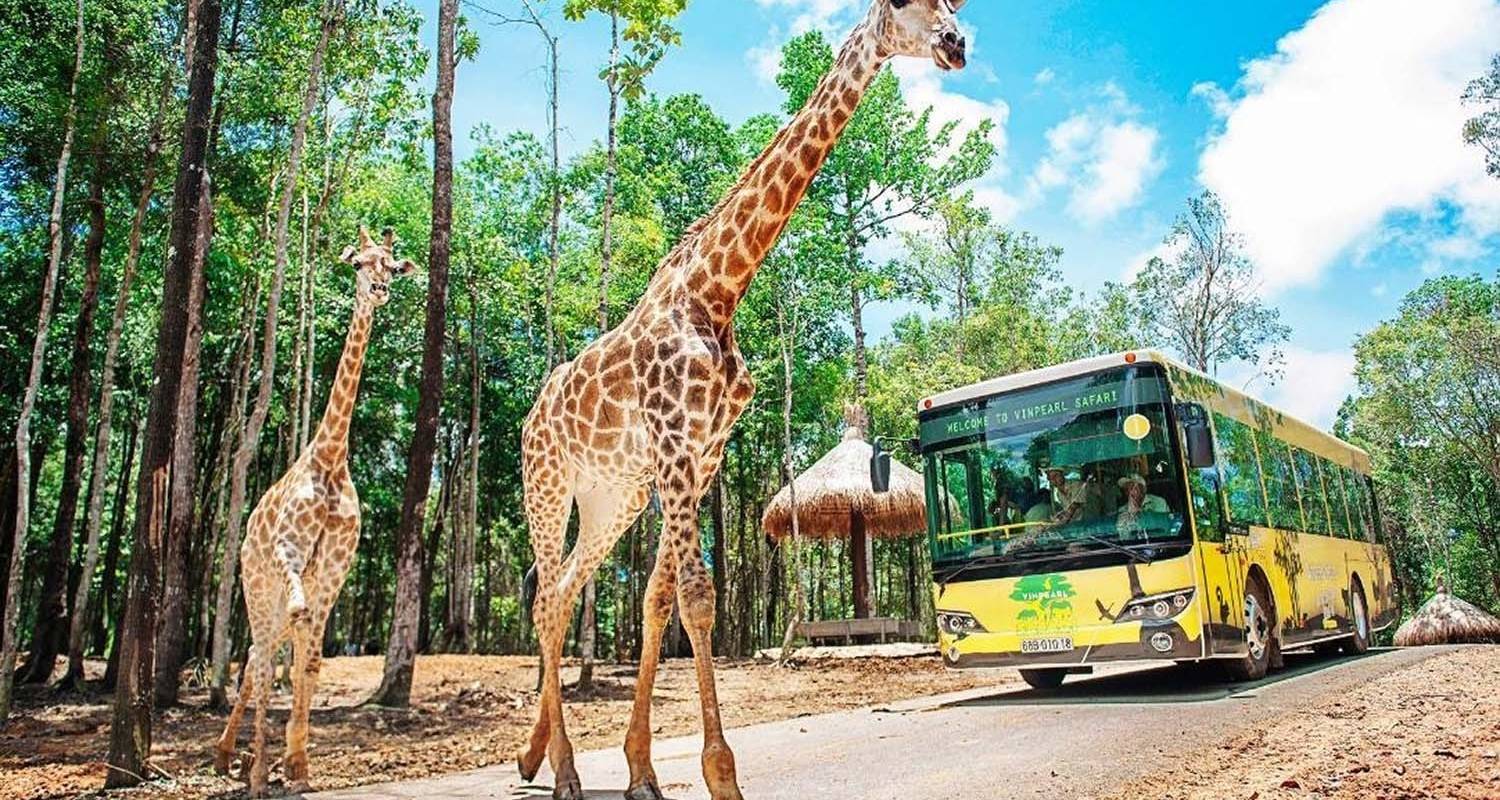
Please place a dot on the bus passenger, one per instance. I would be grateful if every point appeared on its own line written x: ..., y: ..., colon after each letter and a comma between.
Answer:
x: 1137, y: 502
x: 1069, y: 493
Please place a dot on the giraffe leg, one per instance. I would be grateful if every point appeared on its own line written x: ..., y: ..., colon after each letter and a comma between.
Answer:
x: 259, y: 767
x: 695, y: 599
x: 307, y: 658
x: 224, y: 748
x: 656, y: 611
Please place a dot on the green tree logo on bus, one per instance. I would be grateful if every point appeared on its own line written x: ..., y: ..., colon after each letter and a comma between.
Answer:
x: 1047, y: 602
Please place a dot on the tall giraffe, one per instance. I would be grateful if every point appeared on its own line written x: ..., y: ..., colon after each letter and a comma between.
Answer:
x: 652, y: 403
x: 301, y: 540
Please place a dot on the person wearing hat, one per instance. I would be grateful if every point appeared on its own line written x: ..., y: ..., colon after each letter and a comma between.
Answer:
x: 1068, y: 492
x: 1137, y: 501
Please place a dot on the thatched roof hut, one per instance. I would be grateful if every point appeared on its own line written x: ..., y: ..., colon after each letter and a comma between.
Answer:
x: 1446, y: 619
x: 834, y: 495
x: 835, y: 499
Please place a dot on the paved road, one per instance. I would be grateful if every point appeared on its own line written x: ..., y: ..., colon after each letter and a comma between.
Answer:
x: 977, y: 744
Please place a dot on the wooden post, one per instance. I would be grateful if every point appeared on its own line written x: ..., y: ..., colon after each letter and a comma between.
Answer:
x: 859, y: 554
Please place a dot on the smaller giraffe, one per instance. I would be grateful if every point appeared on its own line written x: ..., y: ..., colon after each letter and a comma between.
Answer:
x: 300, y: 541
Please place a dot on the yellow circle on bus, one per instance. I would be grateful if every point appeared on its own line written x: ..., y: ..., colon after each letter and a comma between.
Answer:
x: 1137, y: 426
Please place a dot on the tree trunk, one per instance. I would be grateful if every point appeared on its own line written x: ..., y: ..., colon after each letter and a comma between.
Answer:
x: 721, y: 568
x: 859, y: 565
x: 172, y: 631
x: 787, y: 327
x: 107, y: 608
x: 250, y: 442
x: 465, y: 534
x: 107, y: 383
x: 8, y: 643
x: 51, y: 624
x: 400, y: 654
x: 130, y: 731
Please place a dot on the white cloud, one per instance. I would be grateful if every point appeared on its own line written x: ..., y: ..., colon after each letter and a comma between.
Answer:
x: 1103, y: 155
x: 1314, y: 385
x: 1216, y: 98
x: 1355, y: 116
x: 822, y: 15
x: 1043, y: 77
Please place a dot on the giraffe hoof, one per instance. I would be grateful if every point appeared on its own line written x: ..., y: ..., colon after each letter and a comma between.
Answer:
x: 645, y: 790
x: 221, y: 761
x: 568, y: 790
x: 528, y: 771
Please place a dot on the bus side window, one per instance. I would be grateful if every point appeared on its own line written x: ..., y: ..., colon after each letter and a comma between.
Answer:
x: 1241, y: 471
x: 1281, y: 487
x: 1203, y: 484
x: 1313, y: 504
x: 1338, y: 500
x: 1359, y: 510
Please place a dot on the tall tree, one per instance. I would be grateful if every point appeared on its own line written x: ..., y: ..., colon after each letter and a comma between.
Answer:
x: 130, y: 730
x: 105, y: 426
x: 1202, y: 297
x: 1483, y: 129
x: 51, y: 623
x: 649, y: 30
x: 330, y: 15
x: 401, y: 649
x: 890, y: 163
x: 8, y: 643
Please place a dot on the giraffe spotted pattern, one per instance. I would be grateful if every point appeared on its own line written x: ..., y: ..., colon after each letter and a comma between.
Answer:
x: 651, y: 404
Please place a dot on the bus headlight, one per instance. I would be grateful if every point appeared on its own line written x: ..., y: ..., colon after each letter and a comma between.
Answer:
x: 958, y: 623
x: 1156, y: 607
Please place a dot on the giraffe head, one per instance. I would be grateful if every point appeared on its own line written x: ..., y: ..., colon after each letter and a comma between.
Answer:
x: 375, y: 265
x: 922, y: 29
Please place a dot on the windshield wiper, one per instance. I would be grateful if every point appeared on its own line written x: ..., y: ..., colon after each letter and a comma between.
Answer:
x: 1139, y: 558
x: 983, y: 561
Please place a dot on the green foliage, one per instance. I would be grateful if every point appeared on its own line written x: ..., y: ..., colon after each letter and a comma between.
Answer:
x: 1427, y: 408
x: 1201, y: 299
x: 1483, y: 129
x: 648, y: 29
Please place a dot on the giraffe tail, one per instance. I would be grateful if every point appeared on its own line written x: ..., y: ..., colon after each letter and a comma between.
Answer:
x: 528, y: 593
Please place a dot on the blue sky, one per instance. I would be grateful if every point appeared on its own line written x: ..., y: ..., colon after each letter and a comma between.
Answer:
x: 1330, y: 130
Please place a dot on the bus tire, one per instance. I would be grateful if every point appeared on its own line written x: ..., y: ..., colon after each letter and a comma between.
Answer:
x: 1259, y: 635
x: 1044, y: 679
x: 1358, y: 641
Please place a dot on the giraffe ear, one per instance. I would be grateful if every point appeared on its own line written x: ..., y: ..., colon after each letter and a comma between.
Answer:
x: 956, y: 5
x: 405, y: 267
x: 348, y: 255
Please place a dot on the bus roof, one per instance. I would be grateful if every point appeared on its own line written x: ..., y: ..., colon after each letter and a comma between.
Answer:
x: 1085, y: 366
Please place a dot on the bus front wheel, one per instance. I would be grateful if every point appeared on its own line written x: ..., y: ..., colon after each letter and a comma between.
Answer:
x: 1043, y: 678
x: 1259, y: 635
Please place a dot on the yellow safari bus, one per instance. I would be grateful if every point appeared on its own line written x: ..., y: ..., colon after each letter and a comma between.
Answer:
x: 1128, y: 508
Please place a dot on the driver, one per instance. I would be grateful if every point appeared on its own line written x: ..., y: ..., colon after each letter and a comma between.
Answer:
x: 1137, y: 502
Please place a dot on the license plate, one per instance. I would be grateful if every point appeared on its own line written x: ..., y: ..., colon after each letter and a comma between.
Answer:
x: 1050, y: 644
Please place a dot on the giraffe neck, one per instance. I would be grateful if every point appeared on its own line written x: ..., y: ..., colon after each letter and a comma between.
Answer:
x: 738, y: 234
x: 331, y: 445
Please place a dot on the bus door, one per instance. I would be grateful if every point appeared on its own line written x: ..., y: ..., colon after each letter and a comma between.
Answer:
x: 1223, y: 556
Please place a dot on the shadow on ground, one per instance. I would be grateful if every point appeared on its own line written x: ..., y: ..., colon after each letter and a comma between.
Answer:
x: 1177, y: 683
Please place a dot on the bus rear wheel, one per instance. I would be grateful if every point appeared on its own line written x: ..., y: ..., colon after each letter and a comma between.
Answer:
x: 1359, y: 641
x: 1043, y: 678
x: 1259, y: 636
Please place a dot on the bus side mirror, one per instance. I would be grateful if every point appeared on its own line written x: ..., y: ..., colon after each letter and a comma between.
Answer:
x: 1200, y: 446
x: 880, y: 468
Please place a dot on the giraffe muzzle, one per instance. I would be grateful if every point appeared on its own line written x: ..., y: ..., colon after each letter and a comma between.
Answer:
x: 950, y: 50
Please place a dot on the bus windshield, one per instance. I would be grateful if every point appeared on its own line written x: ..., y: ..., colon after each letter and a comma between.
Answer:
x: 1080, y: 465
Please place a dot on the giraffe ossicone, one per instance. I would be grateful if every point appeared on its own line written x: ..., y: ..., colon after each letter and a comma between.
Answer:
x: 301, y: 539
x: 651, y: 403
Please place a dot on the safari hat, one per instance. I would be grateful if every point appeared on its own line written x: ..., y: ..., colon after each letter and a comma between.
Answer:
x: 1132, y: 478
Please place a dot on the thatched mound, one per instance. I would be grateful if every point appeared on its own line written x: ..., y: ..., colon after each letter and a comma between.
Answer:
x: 838, y: 485
x: 1445, y: 619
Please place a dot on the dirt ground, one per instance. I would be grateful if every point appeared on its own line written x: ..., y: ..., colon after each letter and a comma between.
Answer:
x: 467, y: 712
x: 1430, y: 731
